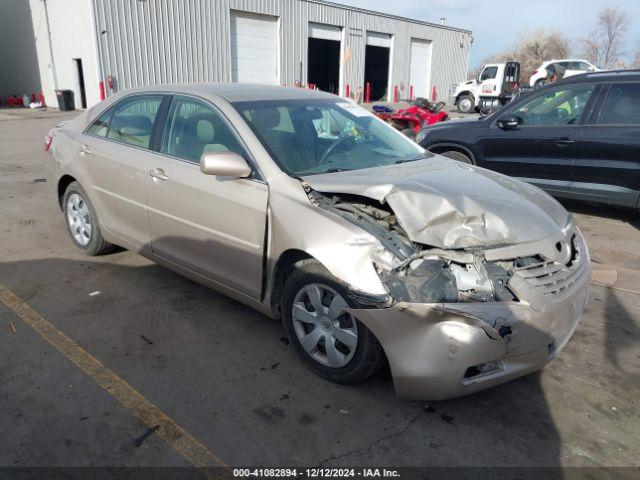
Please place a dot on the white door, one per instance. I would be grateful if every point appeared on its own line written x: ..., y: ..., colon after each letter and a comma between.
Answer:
x: 420, y: 67
x: 254, y: 48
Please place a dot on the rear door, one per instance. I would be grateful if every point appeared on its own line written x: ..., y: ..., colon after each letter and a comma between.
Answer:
x: 542, y: 148
x: 214, y: 226
x: 608, y: 168
x: 114, y: 152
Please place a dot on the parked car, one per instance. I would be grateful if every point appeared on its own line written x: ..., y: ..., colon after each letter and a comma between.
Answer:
x: 578, y: 138
x: 307, y: 207
x: 564, y: 68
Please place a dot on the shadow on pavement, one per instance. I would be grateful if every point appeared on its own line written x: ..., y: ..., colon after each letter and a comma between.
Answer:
x: 197, y: 331
x: 628, y: 215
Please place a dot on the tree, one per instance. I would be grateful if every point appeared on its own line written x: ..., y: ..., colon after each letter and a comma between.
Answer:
x: 636, y: 59
x: 531, y: 50
x: 604, y: 45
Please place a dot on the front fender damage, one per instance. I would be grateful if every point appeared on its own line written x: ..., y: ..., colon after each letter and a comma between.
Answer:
x: 455, y: 321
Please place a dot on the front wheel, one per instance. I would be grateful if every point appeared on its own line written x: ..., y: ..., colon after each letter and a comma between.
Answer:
x: 82, y: 222
x: 466, y: 104
x: 328, y: 339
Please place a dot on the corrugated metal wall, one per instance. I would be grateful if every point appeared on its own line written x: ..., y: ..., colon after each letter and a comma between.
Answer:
x: 167, y: 41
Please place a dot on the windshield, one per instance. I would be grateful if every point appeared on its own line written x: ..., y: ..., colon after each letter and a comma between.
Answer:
x: 307, y: 137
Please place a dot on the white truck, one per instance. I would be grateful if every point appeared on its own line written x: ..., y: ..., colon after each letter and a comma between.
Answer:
x: 492, y: 88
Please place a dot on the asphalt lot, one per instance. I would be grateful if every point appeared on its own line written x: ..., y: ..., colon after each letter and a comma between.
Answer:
x: 224, y: 374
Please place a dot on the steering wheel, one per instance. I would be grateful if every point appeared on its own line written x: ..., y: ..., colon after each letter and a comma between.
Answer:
x: 333, y: 147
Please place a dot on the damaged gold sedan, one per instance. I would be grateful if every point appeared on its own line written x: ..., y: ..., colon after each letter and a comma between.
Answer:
x: 308, y: 208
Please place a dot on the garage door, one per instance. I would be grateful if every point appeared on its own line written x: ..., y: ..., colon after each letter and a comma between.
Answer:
x: 420, y: 67
x: 254, y: 48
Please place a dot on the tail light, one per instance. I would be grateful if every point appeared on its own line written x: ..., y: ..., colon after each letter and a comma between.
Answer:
x: 534, y: 72
x: 47, y: 142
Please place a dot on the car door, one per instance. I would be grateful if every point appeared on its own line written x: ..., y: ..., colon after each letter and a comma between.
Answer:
x: 113, y: 156
x: 608, y: 169
x: 214, y: 226
x: 541, y: 147
x: 488, y: 80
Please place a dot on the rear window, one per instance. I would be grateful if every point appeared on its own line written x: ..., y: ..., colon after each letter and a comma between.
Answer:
x: 130, y: 121
x: 622, y: 105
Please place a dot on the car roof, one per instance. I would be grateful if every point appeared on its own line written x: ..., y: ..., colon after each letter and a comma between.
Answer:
x: 567, y: 60
x: 604, y: 76
x: 238, y: 92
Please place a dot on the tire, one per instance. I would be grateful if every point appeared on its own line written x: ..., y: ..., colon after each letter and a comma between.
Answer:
x: 408, y: 132
x: 456, y: 155
x: 540, y: 83
x: 80, y: 214
x: 360, y: 362
x: 466, y: 104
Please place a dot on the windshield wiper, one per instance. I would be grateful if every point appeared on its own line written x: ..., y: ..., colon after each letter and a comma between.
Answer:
x: 410, y: 160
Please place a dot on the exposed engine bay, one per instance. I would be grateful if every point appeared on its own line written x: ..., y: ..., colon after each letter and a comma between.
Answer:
x: 417, y: 273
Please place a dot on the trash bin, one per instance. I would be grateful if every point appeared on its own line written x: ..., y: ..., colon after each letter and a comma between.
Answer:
x: 65, y: 100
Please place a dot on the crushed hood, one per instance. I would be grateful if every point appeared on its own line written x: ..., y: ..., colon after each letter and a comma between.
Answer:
x: 448, y: 204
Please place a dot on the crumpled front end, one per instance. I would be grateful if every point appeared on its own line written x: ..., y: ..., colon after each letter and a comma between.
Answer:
x: 476, y: 294
x: 449, y: 349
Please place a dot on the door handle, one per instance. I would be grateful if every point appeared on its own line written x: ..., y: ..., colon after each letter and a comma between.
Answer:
x: 85, y: 150
x: 564, y: 141
x: 158, y: 174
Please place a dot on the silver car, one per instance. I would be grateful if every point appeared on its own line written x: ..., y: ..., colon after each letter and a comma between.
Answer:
x: 306, y: 207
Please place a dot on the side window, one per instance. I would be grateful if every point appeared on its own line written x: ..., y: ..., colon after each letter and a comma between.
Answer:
x: 100, y: 127
x: 488, y: 73
x: 193, y: 128
x: 622, y: 105
x: 558, y: 106
x: 132, y: 120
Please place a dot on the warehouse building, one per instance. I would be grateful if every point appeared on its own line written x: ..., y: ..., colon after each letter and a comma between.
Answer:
x: 98, y: 47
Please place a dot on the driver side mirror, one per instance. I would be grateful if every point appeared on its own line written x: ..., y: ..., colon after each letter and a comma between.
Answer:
x: 509, y: 122
x: 224, y: 164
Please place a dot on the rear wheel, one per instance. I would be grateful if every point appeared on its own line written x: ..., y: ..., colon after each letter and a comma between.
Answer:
x: 466, y: 104
x: 328, y: 339
x: 82, y: 221
x: 540, y: 83
x: 456, y: 155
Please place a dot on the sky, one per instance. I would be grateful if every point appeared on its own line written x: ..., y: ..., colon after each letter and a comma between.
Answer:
x: 498, y: 24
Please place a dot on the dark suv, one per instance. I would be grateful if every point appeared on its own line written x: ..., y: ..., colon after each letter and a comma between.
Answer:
x: 577, y: 138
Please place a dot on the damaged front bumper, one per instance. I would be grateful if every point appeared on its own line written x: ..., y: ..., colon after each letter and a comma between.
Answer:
x: 444, y: 350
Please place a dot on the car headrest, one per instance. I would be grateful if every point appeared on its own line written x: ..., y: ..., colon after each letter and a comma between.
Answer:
x: 205, y: 131
x: 199, y: 127
x: 266, y: 117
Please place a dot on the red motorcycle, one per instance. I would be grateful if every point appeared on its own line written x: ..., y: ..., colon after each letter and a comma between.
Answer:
x: 412, y: 119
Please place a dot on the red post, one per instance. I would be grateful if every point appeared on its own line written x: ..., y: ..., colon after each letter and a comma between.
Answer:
x: 411, y: 92
x: 348, y: 91
x: 367, y: 93
x: 395, y: 94
x: 101, y: 88
x: 434, y: 94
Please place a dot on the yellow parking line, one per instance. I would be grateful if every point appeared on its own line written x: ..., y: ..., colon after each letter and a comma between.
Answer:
x: 172, y: 433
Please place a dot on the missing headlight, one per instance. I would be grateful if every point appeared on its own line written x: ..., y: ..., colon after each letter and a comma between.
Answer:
x: 435, y: 280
